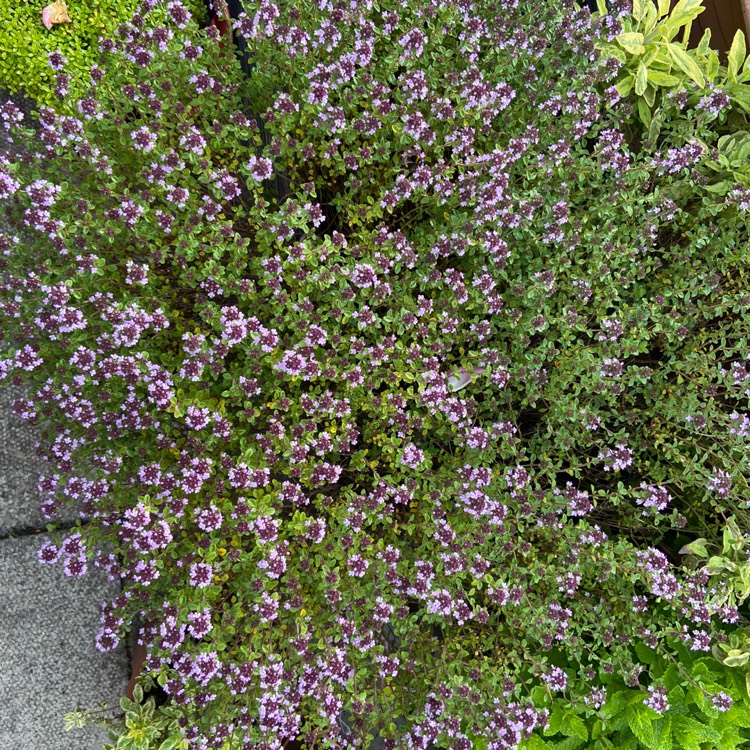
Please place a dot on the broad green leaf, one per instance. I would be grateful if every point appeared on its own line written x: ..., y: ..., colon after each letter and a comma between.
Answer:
x: 739, y: 93
x: 641, y: 79
x: 639, y: 9
x: 720, y: 188
x: 686, y: 63
x: 736, y: 55
x: 649, y: 20
x: 687, y: 724
x: 712, y: 68
x: 574, y: 726
x: 662, y: 79
x: 534, y: 743
x: 631, y: 42
x: 663, y: 8
x: 687, y: 6
x: 639, y: 721
x: 650, y: 96
x: 696, y: 547
x: 663, y: 739
x: 717, y: 564
x: 625, y: 86
x: 171, y: 743
x: 554, y: 721
x: 645, y: 654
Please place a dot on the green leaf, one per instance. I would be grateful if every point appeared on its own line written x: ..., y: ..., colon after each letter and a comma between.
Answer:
x: 171, y: 743
x: 663, y: 739
x: 697, y: 548
x: 736, y: 658
x: 554, y: 721
x: 662, y: 79
x: 632, y: 42
x: 705, y: 43
x: 625, y: 86
x: 739, y: 93
x: 644, y: 112
x: 574, y: 726
x: 645, y: 654
x: 639, y: 9
x: 736, y: 55
x: 663, y: 8
x: 640, y: 723
x: 685, y: 63
x: 686, y: 725
x: 641, y: 79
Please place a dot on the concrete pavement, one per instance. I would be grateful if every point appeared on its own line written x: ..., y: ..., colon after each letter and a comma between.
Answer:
x: 49, y: 665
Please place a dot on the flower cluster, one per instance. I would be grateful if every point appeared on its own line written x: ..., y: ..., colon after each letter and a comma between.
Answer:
x: 359, y: 368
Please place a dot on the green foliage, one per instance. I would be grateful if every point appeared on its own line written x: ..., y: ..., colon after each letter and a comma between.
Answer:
x: 624, y: 722
x: 654, y: 64
x: 139, y: 725
x: 426, y: 411
x: 25, y: 43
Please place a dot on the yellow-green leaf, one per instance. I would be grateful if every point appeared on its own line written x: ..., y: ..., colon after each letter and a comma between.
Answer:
x: 639, y: 9
x: 631, y: 42
x: 705, y: 42
x: 687, y: 6
x: 664, y: 8
x: 641, y: 79
x: 657, y: 78
x: 625, y: 86
x: 736, y: 55
x: 686, y: 63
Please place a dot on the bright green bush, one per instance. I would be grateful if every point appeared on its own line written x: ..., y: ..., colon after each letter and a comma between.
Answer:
x: 25, y: 42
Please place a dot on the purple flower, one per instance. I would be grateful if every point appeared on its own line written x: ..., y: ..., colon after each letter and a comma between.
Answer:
x: 260, y: 168
x: 616, y: 459
x: 722, y: 702
x: 48, y: 553
x: 556, y: 678
x: 56, y: 60
x: 657, y: 498
x: 657, y: 701
x: 412, y: 456
x: 209, y: 519
x: 200, y: 623
x: 721, y: 483
x: 357, y: 565
x: 201, y: 574
x: 144, y: 139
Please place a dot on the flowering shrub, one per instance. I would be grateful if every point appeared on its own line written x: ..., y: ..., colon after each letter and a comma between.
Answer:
x: 388, y: 420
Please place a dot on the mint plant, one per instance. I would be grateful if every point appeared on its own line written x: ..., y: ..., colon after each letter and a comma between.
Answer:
x: 707, y: 704
x: 385, y: 421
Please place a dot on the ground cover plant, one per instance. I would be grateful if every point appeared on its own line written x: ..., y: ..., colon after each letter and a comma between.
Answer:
x: 25, y: 43
x: 398, y: 418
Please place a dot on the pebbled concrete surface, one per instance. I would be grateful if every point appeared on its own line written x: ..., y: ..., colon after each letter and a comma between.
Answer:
x: 49, y: 665
x: 19, y: 472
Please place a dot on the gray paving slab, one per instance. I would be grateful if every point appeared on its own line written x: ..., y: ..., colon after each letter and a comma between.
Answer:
x: 19, y: 472
x: 49, y: 665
